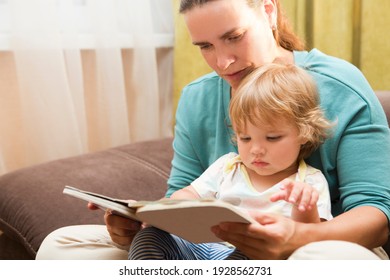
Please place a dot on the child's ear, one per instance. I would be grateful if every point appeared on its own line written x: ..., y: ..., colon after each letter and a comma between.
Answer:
x: 303, y: 140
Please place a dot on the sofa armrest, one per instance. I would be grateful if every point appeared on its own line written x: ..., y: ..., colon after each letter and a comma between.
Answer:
x: 32, y: 204
x: 384, y: 98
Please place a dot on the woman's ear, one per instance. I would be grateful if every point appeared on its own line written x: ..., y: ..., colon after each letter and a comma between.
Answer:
x: 271, y: 12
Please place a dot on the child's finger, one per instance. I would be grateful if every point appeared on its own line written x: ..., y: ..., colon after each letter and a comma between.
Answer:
x: 282, y: 195
x: 305, y: 199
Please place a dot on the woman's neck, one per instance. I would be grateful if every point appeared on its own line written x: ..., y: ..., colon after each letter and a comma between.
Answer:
x: 284, y: 56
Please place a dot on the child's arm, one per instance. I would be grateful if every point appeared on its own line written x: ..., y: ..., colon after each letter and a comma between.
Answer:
x: 304, y: 198
x: 185, y: 193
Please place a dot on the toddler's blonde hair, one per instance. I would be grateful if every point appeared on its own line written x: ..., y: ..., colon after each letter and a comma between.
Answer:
x: 277, y: 92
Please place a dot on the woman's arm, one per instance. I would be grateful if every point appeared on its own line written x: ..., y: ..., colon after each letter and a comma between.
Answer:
x: 349, y: 227
x: 277, y: 237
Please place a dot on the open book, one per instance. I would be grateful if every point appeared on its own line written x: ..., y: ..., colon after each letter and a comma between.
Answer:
x: 189, y: 219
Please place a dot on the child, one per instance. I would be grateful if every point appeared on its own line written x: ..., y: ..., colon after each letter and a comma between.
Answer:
x: 277, y: 123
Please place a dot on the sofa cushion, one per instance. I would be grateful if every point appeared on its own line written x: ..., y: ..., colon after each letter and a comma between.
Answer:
x: 32, y: 204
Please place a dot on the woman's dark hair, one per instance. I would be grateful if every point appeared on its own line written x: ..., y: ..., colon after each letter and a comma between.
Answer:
x: 284, y: 34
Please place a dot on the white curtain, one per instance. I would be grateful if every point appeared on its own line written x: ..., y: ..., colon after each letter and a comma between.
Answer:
x: 82, y: 75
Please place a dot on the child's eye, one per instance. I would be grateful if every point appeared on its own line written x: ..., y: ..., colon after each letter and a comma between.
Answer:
x: 273, y: 138
x: 245, y: 139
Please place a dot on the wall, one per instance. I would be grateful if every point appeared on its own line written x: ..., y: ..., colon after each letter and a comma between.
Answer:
x: 355, y: 30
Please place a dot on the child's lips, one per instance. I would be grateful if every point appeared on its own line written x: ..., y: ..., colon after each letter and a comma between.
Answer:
x: 260, y: 163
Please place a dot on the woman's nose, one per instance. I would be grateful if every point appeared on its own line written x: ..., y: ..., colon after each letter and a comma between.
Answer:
x: 224, y: 60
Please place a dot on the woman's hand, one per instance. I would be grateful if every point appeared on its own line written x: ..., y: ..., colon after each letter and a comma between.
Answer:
x: 121, y: 230
x: 271, y: 238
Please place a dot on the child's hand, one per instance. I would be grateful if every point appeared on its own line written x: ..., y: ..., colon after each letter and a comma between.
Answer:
x: 302, y: 195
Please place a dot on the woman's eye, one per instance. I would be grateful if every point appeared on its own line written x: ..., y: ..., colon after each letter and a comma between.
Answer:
x: 235, y: 38
x: 205, y: 47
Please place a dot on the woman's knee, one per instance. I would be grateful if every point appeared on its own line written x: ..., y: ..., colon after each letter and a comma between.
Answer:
x: 333, y: 250
x: 80, y: 242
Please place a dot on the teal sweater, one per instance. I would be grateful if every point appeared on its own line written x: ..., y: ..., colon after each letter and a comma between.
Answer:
x: 355, y: 161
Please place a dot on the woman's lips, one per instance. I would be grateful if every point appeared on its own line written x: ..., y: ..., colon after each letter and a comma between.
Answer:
x: 236, y: 76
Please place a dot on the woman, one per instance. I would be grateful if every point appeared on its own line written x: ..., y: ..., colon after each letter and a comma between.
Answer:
x: 235, y: 37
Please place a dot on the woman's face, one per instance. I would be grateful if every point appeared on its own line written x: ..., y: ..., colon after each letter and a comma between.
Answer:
x: 233, y: 37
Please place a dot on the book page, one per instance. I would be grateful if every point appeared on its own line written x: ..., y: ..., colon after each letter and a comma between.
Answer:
x: 118, y: 206
x: 192, y: 220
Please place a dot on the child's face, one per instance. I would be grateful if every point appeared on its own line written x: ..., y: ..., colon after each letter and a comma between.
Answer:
x: 269, y: 150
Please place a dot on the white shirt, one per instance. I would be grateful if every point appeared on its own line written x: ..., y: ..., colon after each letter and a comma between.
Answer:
x: 227, y: 179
